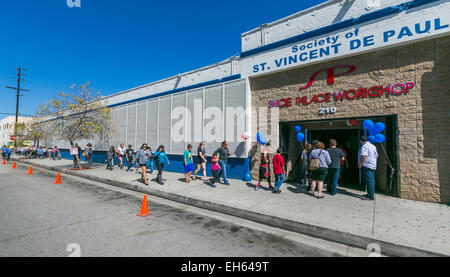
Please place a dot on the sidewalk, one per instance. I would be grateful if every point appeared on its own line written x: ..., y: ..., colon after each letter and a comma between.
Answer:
x: 401, y: 227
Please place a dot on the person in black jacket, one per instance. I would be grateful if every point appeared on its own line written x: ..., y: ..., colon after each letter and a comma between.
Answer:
x: 224, y: 153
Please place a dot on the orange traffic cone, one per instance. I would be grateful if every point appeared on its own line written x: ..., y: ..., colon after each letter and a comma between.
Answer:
x: 58, y: 179
x: 30, y: 171
x: 4, y: 162
x: 14, y: 165
x: 144, y: 209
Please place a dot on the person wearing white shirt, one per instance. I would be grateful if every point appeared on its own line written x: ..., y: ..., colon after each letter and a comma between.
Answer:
x: 121, y: 151
x: 367, y: 162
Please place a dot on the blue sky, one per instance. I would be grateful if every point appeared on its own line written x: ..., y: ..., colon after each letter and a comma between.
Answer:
x: 119, y: 44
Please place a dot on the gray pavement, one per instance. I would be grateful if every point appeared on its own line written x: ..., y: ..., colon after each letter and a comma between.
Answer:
x: 398, y: 222
x: 39, y: 218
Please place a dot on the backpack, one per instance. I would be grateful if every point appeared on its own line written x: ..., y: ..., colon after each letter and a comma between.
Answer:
x: 314, y: 163
x: 156, y: 158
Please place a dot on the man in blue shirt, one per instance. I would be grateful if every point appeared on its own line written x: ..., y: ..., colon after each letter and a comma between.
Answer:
x: 367, y: 162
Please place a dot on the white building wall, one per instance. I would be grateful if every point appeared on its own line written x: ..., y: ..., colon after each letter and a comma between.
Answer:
x: 201, y: 75
x: 330, y: 12
x: 7, y: 126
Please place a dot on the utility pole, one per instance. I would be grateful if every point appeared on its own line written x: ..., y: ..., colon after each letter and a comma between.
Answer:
x: 18, y: 89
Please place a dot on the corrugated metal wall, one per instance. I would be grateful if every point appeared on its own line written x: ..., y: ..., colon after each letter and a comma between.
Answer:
x: 152, y: 121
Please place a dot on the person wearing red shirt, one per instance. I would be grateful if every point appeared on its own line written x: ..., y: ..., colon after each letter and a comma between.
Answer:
x: 278, y: 170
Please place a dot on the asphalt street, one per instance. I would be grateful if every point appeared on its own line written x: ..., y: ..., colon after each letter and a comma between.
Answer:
x: 39, y: 218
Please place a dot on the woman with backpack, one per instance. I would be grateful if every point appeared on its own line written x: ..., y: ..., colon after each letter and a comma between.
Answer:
x: 319, y: 160
x: 161, y: 159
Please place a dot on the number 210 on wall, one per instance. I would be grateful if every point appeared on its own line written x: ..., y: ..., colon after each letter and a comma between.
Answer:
x: 324, y: 111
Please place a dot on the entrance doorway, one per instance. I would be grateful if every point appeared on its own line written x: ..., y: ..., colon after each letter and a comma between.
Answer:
x: 348, y: 139
x: 348, y: 142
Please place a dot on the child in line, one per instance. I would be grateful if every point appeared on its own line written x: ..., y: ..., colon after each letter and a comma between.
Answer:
x: 188, y: 163
x: 110, y: 158
x: 278, y: 170
x: 215, y: 168
x: 130, y: 157
x: 264, y: 168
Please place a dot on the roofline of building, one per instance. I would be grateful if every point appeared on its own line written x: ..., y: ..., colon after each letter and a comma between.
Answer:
x: 172, y: 77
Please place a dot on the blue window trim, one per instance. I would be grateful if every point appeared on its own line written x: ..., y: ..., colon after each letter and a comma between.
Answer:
x: 339, y: 26
x: 204, y: 84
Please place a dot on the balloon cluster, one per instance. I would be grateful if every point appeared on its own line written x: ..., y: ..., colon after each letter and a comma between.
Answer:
x: 260, y: 139
x: 300, y: 136
x: 374, y: 130
x: 245, y: 136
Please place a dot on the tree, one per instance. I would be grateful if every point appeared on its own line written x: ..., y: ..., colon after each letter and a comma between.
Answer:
x: 31, y: 130
x: 77, y: 115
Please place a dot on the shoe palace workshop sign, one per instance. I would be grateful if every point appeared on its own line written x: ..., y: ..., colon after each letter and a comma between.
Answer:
x: 349, y: 94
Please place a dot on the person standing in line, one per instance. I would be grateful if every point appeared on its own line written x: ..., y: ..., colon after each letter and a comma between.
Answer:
x: 304, y: 158
x: 121, y: 154
x: 4, y: 152
x: 367, y: 162
x: 224, y: 153
x: 142, y: 158
x: 215, y: 169
x: 278, y: 170
x: 110, y: 158
x: 130, y: 157
x: 188, y: 163
x: 337, y: 156
x: 76, y: 157
x: 56, y: 153
x: 201, y: 160
x: 8, y: 153
x: 344, y: 164
x: 40, y: 152
x: 319, y: 162
x: 88, y: 153
x: 264, y: 168
x: 161, y: 159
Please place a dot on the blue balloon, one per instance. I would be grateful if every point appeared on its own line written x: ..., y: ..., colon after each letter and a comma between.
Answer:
x: 300, y: 137
x: 372, y: 132
x: 380, y: 138
x: 379, y: 127
x: 260, y: 139
x: 371, y: 139
x: 298, y: 129
x: 368, y: 124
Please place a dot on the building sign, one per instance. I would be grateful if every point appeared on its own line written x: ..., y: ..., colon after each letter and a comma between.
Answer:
x: 405, y: 27
x: 331, y: 74
x: 339, y: 96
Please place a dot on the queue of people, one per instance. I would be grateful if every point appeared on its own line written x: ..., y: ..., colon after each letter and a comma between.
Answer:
x: 32, y: 152
x: 143, y: 159
x: 319, y: 166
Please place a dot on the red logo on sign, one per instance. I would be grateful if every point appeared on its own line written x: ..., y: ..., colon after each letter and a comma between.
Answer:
x: 331, y: 74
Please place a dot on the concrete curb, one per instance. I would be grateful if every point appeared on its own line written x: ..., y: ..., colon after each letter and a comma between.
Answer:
x: 387, y: 248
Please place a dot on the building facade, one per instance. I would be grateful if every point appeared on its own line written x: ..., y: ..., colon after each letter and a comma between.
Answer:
x: 7, y: 128
x: 327, y: 69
